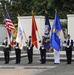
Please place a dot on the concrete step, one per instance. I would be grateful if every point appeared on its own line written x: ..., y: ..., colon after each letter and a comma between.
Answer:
x: 12, y: 55
x: 50, y: 56
x: 61, y: 59
x: 61, y: 54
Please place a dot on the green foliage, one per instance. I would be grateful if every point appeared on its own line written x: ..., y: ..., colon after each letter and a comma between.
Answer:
x: 25, y: 7
x: 64, y: 24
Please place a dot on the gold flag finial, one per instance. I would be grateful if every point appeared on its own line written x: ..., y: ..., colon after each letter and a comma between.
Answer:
x: 46, y: 11
x: 18, y: 14
x: 55, y: 10
x: 32, y: 12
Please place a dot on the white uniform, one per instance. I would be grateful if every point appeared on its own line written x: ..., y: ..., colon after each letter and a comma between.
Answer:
x: 56, y: 56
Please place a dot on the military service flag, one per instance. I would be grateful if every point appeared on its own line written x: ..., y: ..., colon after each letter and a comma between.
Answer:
x: 34, y: 29
x: 55, y: 38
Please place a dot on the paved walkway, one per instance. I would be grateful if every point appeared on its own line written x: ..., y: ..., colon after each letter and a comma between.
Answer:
x: 20, y: 71
x: 61, y: 69
x: 36, y: 68
x: 23, y: 70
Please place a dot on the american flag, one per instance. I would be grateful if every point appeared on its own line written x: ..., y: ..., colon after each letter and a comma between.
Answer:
x: 10, y: 40
x: 8, y: 22
x: 9, y: 26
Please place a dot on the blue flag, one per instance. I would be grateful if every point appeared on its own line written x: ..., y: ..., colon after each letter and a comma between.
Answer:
x: 47, y: 33
x: 47, y: 42
x: 55, y: 40
x: 47, y: 25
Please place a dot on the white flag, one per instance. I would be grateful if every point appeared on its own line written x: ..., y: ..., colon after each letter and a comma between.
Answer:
x: 19, y: 37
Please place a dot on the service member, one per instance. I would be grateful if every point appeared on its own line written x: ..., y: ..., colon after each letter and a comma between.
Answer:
x: 57, y: 55
x: 17, y: 53
x: 30, y: 50
x: 42, y: 52
x: 69, y: 45
x: 7, y: 49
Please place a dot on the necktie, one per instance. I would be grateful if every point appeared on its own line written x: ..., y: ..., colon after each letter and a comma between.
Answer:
x: 43, y: 42
x: 68, y: 42
x: 6, y: 43
x: 29, y: 42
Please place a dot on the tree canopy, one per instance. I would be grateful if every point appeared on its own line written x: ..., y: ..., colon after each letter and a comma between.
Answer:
x: 25, y: 7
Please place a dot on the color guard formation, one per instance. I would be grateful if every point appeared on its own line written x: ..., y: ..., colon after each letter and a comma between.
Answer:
x: 29, y: 45
x: 51, y: 38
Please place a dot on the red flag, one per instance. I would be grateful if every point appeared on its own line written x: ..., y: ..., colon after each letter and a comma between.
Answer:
x: 34, y: 29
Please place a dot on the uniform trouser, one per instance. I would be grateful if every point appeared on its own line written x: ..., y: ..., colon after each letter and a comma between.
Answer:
x: 56, y: 56
x: 30, y: 56
x: 6, y: 56
x: 43, y: 56
x: 69, y: 55
x: 18, y: 55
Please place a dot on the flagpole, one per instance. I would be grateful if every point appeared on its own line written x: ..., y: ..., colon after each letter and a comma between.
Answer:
x: 5, y: 28
x: 24, y: 35
x: 38, y: 34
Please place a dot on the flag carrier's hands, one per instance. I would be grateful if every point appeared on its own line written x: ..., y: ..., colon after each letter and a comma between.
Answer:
x: 50, y: 49
x: 39, y: 41
x: 21, y: 46
x: 27, y: 45
x: 26, y: 42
